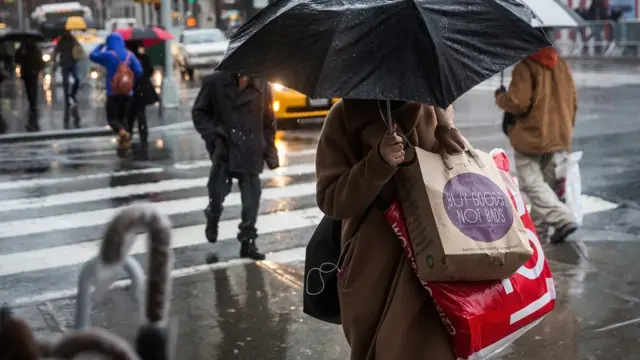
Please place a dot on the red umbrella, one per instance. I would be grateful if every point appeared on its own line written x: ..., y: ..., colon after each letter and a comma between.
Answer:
x: 148, y: 35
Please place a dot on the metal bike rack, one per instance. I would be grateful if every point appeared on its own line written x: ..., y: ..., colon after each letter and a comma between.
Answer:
x: 87, y: 276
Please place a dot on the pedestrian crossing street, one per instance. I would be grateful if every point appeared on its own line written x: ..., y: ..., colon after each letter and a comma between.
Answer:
x: 50, y: 226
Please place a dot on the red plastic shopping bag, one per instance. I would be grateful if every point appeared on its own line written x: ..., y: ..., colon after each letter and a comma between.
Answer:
x: 485, y: 317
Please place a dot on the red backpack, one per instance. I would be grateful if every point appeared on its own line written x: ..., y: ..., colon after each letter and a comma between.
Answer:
x: 123, y: 79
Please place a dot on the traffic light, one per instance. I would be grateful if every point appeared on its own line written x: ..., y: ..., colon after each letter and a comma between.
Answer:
x: 191, y: 22
x: 192, y: 1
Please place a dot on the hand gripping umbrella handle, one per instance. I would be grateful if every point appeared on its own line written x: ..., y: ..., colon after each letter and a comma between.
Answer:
x: 118, y: 241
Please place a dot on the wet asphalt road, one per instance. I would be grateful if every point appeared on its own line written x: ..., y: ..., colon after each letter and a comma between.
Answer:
x: 56, y: 196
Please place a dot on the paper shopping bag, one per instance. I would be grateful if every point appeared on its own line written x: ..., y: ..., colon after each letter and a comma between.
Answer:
x: 484, y: 317
x: 462, y: 225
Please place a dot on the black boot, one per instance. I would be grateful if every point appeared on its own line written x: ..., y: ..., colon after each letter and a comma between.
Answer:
x: 248, y: 249
x: 211, y: 230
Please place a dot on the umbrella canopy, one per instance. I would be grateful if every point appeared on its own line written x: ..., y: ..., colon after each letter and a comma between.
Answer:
x: 75, y: 23
x: 428, y: 51
x: 552, y: 13
x: 149, y: 36
x: 22, y: 36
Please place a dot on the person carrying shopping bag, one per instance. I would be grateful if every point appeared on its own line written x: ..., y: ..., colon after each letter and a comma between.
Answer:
x: 386, y: 314
x: 543, y: 100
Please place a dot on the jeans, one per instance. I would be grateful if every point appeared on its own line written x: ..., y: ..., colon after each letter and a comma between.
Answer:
x: 219, y: 186
x: 70, y: 69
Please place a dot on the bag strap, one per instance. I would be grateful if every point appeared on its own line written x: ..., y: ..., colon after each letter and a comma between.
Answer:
x: 120, y: 62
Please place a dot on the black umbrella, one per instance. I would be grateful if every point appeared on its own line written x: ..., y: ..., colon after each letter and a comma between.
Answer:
x: 428, y: 51
x: 22, y: 36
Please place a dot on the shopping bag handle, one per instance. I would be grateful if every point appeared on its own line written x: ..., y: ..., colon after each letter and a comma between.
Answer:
x: 469, y: 152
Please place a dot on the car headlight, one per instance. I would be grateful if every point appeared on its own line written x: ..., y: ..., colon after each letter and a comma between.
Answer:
x: 277, y: 87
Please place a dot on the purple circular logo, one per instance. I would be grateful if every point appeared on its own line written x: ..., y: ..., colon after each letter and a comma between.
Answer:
x: 478, y: 207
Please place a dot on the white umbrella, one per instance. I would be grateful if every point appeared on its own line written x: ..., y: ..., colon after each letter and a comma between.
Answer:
x: 552, y: 13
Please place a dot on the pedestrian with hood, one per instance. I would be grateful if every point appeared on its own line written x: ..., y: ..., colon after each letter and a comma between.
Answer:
x: 385, y: 312
x: 543, y: 100
x: 233, y: 115
x: 122, y: 70
x: 66, y: 54
x: 29, y: 57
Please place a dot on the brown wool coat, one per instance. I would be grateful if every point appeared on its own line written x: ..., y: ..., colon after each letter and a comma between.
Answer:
x: 549, y: 126
x: 386, y: 314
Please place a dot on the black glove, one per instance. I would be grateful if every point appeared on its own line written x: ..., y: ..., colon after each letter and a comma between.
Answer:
x: 218, y: 149
x: 272, y: 162
x: 501, y: 90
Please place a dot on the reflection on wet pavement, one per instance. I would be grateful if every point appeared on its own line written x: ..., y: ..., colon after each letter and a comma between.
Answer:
x: 253, y: 311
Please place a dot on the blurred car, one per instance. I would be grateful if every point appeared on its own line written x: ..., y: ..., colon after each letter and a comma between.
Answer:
x: 200, y: 48
x: 292, y: 108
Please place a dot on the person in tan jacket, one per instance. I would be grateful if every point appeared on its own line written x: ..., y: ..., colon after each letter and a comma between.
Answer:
x: 386, y: 313
x: 542, y: 98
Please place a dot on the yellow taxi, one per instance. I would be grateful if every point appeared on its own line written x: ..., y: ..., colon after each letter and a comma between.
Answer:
x: 292, y: 108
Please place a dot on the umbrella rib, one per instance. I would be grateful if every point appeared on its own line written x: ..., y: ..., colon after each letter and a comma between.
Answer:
x: 324, y: 61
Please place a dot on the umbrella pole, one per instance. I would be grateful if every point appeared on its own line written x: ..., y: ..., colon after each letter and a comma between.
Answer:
x: 389, y: 119
x: 501, y: 78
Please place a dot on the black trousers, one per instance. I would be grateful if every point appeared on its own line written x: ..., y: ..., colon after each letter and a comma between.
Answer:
x: 138, y: 113
x: 31, y: 88
x: 219, y: 186
x: 117, y: 111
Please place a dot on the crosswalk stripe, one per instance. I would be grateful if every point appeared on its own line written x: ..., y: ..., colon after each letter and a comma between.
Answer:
x: 107, y: 175
x: 131, y: 190
x: 103, y: 216
x: 59, y: 256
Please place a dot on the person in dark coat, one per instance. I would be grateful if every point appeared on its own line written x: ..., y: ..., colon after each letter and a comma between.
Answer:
x: 29, y: 57
x: 68, y: 63
x: 143, y: 94
x: 233, y: 115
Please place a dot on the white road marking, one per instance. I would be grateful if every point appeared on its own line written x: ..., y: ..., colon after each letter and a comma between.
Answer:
x: 104, y: 193
x: 285, y: 256
x: 618, y: 325
x: 8, y: 185
x: 54, y: 257
x: 102, y: 217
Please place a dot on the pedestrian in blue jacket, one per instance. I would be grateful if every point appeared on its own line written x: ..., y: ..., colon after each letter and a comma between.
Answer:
x: 112, y: 54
